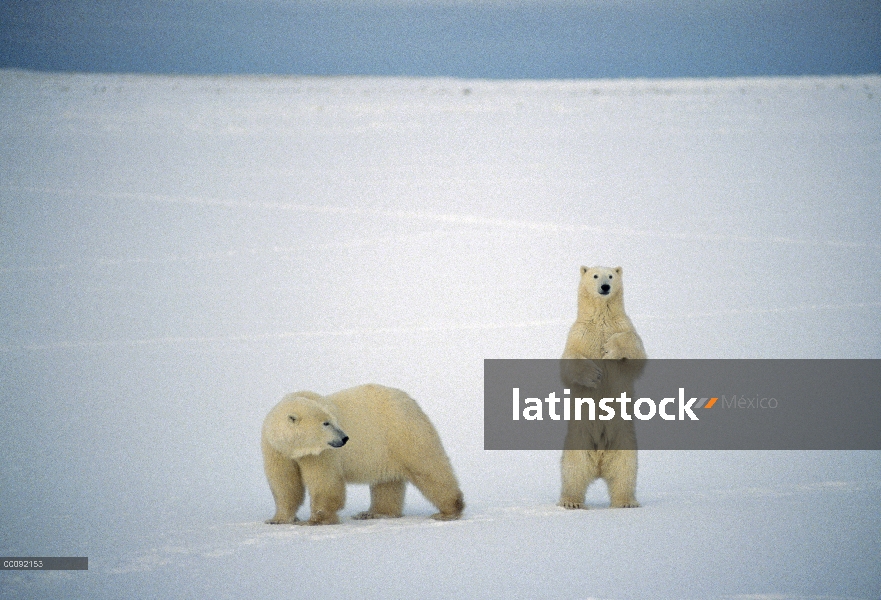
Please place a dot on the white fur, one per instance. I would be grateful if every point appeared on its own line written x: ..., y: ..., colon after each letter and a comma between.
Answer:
x: 390, y: 442
x: 601, y: 330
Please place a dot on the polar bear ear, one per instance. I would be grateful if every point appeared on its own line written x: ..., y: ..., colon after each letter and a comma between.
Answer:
x: 583, y: 269
x: 618, y: 270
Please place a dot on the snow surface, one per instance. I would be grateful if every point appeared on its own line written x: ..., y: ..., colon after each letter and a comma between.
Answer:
x: 176, y: 253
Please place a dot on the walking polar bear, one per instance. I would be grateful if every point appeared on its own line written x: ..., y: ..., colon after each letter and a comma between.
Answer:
x: 601, y: 449
x: 367, y: 434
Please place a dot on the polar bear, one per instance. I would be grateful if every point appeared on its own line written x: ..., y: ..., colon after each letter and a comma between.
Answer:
x: 601, y: 449
x: 367, y: 434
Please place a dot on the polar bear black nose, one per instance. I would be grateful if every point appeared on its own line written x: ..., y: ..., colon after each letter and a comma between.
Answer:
x: 605, y: 288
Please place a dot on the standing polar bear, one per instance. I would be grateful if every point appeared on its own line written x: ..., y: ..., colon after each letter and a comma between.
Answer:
x: 601, y: 449
x: 367, y: 434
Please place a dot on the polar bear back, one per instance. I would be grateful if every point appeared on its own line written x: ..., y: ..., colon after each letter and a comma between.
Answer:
x: 388, y: 433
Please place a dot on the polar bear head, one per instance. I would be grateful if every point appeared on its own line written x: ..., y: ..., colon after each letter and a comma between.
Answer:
x: 601, y: 282
x: 298, y: 426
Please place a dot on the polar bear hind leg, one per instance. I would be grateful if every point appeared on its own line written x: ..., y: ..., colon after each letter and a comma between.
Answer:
x: 578, y: 471
x: 619, y: 471
x: 439, y: 487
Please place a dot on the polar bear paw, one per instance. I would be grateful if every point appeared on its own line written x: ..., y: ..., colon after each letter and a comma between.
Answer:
x: 367, y: 515
x: 281, y: 521
x: 441, y: 516
x: 582, y: 372
x: 622, y: 345
x: 591, y: 374
x: 321, y: 517
x: 615, y: 349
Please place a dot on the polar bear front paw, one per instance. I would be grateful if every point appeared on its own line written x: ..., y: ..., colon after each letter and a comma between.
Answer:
x: 321, y: 518
x: 446, y: 516
x: 587, y: 373
x: 614, y: 349
x: 281, y: 521
x: 625, y: 344
x: 571, y: 504
x: 366, y: 515
x: 592, y: 375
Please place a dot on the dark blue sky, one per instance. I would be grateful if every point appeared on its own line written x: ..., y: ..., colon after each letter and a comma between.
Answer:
x: 527, y: 39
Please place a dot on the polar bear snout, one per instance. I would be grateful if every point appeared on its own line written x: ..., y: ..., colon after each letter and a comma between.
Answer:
x: 340, y: 440
x: 600, y: 281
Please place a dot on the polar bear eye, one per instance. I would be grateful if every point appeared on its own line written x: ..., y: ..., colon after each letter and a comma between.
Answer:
x: 292, y: 418
x: 327, y: 423
x: 596, y: 276
x: 610, y: 276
